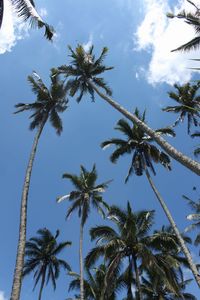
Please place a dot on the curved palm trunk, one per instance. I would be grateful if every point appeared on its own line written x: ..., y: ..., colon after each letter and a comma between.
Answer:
x: 138, y: 293
x: 175, y: 228
x: 17, y: 280
x: 81, y: 261
x: 1, y: 11
x: 193, y: 165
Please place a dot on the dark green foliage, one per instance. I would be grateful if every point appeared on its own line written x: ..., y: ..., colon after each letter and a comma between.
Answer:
x: 188, y: 104
x: 139, y: 145
x: 86, y: 193
x: 27, y: 11
x: 49, y: 102
x: 133, y: 245
x: 41, y: 257
x: 84, y: 67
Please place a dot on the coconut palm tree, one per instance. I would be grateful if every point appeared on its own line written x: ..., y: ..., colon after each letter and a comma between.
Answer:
x: 195, y: 206
x: 155, y: 288
x: 188, y: 104
x: 131, y: 245
x: 26, y: 10
x: 85, y: 195
x: 83, y: 76
x: 94, y: 284
x: 144, y: 153
x: 192, y: 19
x: 49, y: 103
x: 41, y: 258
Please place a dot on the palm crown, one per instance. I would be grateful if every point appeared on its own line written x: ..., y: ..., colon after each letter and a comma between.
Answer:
x: 132, y: 240
x: 86, y: 193
x: 41, y: 257
x: 188, y: 103
x: 49, y: 102
x: 138, y: 143
x: 84, y: 67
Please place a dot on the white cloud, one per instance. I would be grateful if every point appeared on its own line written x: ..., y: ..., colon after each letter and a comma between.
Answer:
x: 43, y: 12
x: 159, y: 35
x: 89, y: 43
x: 2, y: 296
x: 12, y: 30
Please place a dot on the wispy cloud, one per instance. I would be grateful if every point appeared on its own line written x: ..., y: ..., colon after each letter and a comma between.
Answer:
x: 2, y: 296
x: 158, y: 35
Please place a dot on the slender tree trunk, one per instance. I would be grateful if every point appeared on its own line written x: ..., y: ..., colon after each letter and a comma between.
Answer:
x: 17, y: 280
x: 1, y: 12
x: 81, y: 262
x: 175, y: 228
x: 137, y: 279
x: 193, y: 165
x: 41, y: 287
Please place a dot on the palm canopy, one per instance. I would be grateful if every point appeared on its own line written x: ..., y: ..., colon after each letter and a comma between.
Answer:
x: 41, y: 257
x: 26, y: 10
x: 195, y: 206
x: 84, y: 67
x: 139, y: 144
x: 94, y: 284
x: 86, y: 193
x: 188, y: 104
x: 193, y: 20
x: 132, y: 241
x: 49, y: 102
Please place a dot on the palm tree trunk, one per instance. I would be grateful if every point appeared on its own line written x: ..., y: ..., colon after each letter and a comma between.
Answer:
x: 1, y: 12
x: 17, y: 280
x: 81, y: 261
x: 193, y: 165
x: 137, y: 279
x: 41, y: 287
x: 175, y: 228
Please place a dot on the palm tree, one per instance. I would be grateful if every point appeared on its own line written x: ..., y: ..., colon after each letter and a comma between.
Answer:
x: 26, y: 10
x: 94, y: 284
x: 85, y: 195
x: 188, y: 104
x: 48, y: 105
x: 41, y: 258
x: 155, y: 288
x: 132, y: 246
x: 83, y: 76
x: 138, y: 144
x: 195, y: 206
x: 193, y: 20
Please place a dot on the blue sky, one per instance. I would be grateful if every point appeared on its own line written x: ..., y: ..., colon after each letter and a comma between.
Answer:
x: 139, y: 38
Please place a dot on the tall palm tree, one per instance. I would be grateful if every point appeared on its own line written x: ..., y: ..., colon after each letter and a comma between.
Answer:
x: 26, y: 10
x: 139, y: 145
x: 49, y: 103
x: 85, y: 195
x: 41, y: 258
x: 195, y: 206
x: 83, y: 75
x: 131, y: 245
x: 192, y: 19
x: 188, y: 104
x: 94, y: 284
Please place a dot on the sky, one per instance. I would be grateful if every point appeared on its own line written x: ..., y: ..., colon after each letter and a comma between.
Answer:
x: 139, y: 37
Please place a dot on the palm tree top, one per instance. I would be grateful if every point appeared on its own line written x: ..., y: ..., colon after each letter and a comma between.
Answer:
x: 85, y: 191
x: 49, y: 102
x: 84, y: 66
x: 41, y: 253
x: 136, y: 141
